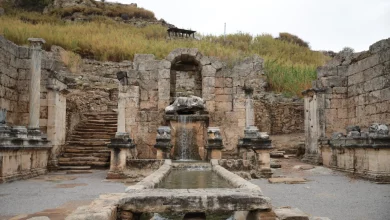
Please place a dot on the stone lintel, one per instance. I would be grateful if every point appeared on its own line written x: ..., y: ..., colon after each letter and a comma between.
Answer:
x: 255, y: 143
x: 36, y: 41
x: 361, y: 142
x: 194, y: 200
x: 193, y: 117
x: 312, y: 91
x: 17, y: 143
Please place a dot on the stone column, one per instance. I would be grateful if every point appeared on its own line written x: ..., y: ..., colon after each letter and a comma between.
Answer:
x: 35, y: 85
x: 122, y: 146
x: 249, y: 111
x: 121, y: 123
x: 56, y: 120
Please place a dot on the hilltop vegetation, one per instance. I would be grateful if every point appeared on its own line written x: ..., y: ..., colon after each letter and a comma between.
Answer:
x: 290, y: 67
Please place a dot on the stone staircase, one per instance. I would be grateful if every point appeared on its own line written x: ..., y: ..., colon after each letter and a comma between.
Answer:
x: 87, y: 148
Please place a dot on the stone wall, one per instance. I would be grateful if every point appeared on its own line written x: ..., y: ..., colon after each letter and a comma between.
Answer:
x: 351, y: 89
x: 15, y: 74
x: 222, y: 88
x: 278, y: 115
x: 14, y: 83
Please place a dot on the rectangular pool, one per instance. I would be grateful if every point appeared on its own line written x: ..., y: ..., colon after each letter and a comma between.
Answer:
x: 193, y: 179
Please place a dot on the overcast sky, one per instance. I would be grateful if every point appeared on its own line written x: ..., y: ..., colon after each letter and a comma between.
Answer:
x: 325, y: 24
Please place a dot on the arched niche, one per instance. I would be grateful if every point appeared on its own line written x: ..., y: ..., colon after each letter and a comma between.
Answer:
x: 191, y: 73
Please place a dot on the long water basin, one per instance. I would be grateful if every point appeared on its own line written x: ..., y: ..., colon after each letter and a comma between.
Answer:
x: 193, y: 179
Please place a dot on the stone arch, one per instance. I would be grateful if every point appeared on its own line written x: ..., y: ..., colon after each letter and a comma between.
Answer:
x: 207, y: 70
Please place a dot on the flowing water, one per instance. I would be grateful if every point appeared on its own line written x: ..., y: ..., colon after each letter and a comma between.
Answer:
x: 186, y: 148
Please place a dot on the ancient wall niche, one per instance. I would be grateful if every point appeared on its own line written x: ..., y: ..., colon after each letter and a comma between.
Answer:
x: 186, y: 79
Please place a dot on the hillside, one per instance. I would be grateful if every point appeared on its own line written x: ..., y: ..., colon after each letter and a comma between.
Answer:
x: 104, y: 34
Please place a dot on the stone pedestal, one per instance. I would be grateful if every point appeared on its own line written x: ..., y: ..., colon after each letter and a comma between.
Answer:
x: 122, y: 148
x: 214, y: 143
x: 21, y: 156
x: 256, y: 146
x: 163, y: 142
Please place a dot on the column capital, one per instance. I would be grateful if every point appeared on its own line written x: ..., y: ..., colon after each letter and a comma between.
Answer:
x: 36, y: 42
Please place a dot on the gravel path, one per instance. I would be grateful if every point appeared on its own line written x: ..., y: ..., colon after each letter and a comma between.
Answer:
x: 51, y: 191
x: 329, y: 194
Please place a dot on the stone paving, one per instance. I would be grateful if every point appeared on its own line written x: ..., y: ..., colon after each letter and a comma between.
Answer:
x: 326, y: 193
x: 55, y: 195
x: 329, y: 193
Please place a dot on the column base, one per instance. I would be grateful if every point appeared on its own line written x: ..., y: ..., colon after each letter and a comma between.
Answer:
x: 52, y: 165
x: 314, y: 159
x: 116, y: 175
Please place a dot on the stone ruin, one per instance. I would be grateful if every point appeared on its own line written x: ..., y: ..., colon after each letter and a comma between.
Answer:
x: 352, y: 92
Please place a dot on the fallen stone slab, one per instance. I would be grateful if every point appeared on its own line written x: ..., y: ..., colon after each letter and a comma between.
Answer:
x: 306, y: 167
x: 78, y: 171
x: 288, y: 180
x: 276, y: 154
x: 275, y: 165
x: 290, y: 214
x: 39, y: 218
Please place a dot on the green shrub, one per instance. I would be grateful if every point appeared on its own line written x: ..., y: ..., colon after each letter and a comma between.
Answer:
x: 33, y: 5
x: 284, y: 36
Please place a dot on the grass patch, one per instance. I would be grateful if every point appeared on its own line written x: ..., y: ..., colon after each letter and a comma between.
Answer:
x: 291, y: 79
x: 106, y: 9
x: 289, y: 67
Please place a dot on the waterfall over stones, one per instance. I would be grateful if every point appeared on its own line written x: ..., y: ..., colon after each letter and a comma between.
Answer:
x: 186, y: 147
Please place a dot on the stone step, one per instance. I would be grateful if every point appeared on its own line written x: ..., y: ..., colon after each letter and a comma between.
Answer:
x: 88, y: 143
x: 78, y: 171
x: 86, y: 136
x: 96, y: 126
x: 113, y: 130
x: 74, y: 167
x: 109, y: 124
x: 91, y: 139
x: 94, y: 154
x: 104, y: 121
x: 101, y: 117
x: 66, y: 159
x: 88, y: 152
x: 92, y: 132
x: 85, y: 163
x: 88, y: 148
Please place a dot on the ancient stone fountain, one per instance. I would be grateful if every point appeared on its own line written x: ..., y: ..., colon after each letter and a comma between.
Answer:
x: 188, y: 120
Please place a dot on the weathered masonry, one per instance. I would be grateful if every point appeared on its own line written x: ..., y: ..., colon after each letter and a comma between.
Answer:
x: 351, y: 92
x: 155, y: 84
x: 32, y: 102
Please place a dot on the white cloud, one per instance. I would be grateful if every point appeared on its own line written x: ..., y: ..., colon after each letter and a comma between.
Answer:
x: 325, y: 24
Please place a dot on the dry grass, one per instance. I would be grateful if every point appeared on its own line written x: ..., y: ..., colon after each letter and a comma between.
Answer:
x: 290, y: 67
x: 71, y: 60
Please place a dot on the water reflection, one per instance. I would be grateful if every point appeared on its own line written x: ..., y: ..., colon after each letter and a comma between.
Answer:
x: 193, y: 179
